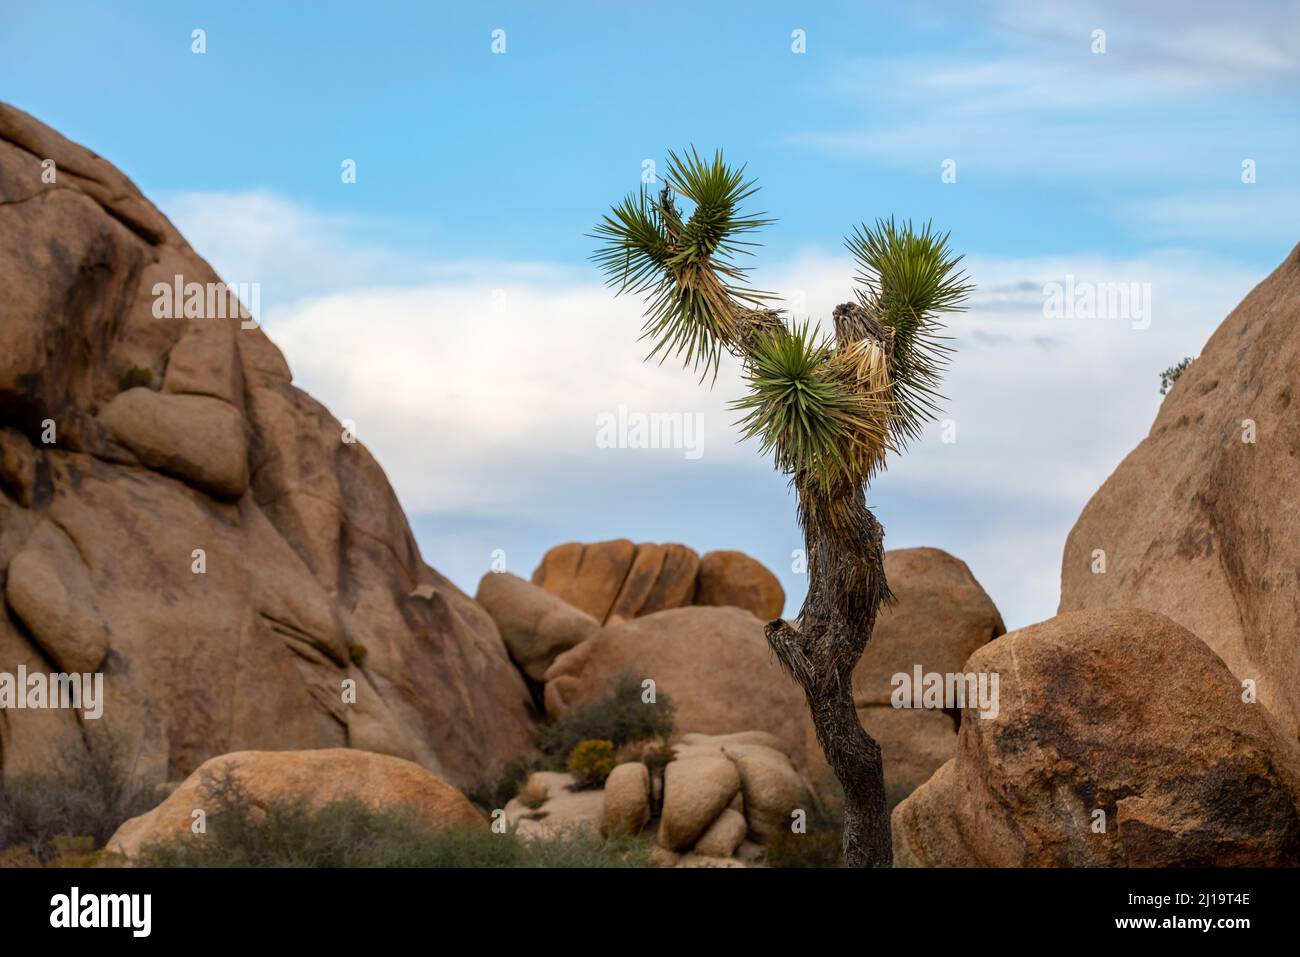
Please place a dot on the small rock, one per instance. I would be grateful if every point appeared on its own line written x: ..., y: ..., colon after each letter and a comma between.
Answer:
x: 198, y: 439
x: 627, y: 800
x: 535, y: 625
x: 771, y: 786
x: 696, y: 791
x: 723, y: 836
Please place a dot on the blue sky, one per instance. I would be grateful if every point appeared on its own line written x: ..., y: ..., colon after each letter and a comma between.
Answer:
x: 444, y: 301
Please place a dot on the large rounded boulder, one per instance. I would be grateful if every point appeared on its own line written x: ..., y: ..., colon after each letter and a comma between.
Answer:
x: 311, y: 779
x: 178, y: 516
x: 1119, y: 739
x: 733, y: 578
x: 939, y: 618
x: 1200, y: 522
x: 535, y: 625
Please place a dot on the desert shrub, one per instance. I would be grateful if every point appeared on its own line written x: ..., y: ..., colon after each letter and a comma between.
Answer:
x: 630, y: 752
x: 64, y: 851
x: 286, y: 833
x: 358, y: 653
x: 819, y: 845
x: 496, y: 793
x: 654, y: 753
x: 657, y: 756
x: 590, y: 762
x: 1170, y: 375
x: 618, y: 717
x: 135, y: 377
x: 88, y: 798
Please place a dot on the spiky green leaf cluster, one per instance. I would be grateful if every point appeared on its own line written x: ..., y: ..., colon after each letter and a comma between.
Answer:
x: 908, y: 278
x: 807, y: 415
x: 828, y: 410
x: 687, y: 266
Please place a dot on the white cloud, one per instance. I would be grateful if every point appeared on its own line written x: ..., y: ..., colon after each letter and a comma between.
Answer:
x: 1187, y: 43
x: 485, y: 384
x: 478, y: 391
x: 1242, y: 212
x: 1039, y: 101
x: 1046, y: 407
x: 297, y: 252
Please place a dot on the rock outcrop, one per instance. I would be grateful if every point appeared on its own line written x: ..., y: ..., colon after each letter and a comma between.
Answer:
x: 770, y: 785
x: 310, y: 779
x: 1121, y: 739
x: 725, y: 798
x: 617, y: 580
x: 1200, y: 522
x: 176, y: 514
x: 713, y: 663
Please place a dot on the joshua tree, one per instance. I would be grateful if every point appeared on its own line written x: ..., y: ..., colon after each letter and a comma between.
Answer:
x: 828, y: 408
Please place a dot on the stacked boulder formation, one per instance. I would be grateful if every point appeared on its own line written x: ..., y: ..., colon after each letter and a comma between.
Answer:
x: 177, y: 516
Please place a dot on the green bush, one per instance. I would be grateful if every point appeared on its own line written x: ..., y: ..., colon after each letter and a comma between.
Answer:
x: 618, y: 717
x: 89, y: 797
x: 1170, y: 375
x: 351, y: 834
x: 590, y: 763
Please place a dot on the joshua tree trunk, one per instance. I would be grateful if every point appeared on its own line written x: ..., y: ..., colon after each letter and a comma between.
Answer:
x: 844, y: 544
x: 846, y: 584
